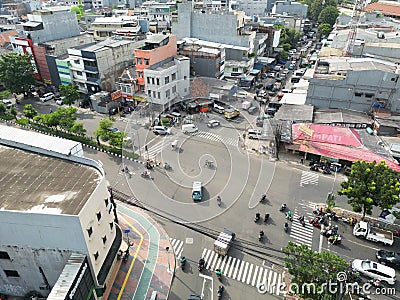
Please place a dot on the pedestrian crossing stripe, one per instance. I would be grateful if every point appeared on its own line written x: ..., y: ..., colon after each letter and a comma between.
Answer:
x: 216, y: 138
x: 155, y: 149
x: 178, y: 247
x: 308, y: 178
x: 302, y: 235
x: 308, y: 204
x: 244, y: 271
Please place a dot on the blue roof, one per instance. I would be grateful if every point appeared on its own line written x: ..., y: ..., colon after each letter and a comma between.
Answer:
x: 258, y: 66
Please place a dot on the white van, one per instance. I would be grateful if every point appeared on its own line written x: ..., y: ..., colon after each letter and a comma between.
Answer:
x: 189, y: 128
x: 219, y: 109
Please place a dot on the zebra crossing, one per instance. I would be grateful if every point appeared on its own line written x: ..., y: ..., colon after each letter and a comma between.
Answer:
x: 300, y: 234
x: 178, y: 247
x: 243, y: 271
x: 155, y: 149
x: 216, y: 138
x: 309, y: 178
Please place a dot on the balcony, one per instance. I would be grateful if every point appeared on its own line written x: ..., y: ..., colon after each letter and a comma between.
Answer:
x: 91, y: 69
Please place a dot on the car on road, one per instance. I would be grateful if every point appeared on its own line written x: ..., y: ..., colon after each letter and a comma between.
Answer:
x: 160, y: 130
x: 47, y: 97
x: 253, y: 133
x: 60, y: 100
x: 241, y: 94
x: 389, y: 258
x: 213, y: 123
x: 291, y: 67
x: 113, y: 129
x: 7, y: 103
x: 375, y: 270
x: 271, y: 75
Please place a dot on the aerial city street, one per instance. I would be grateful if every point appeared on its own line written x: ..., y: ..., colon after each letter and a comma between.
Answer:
x: 200, y: 150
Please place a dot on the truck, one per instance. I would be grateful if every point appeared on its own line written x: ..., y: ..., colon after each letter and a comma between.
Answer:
x: 377, y: 235
x: 224, y: 242
x: 197, y: 191
x: 231, y: 113
x: 246, y: 105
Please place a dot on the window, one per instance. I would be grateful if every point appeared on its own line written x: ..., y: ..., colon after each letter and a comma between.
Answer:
x: 79, y: 73
x: 167, y: 93
x: 140, y: 74
x: 4, y: 255
x: 76, y: 61
x: 158, y: 81
x: 98, y: 216
x: 111, y: 225
x: 139, y: 61
x: 90, y: 231
x: 174, y: 76
x: 149, y: 93
x: 174, y: 89
x: 368, y: 95
x: 152, y: 80
x: 11, y: 273
x: 148, y: 80
x: 357, y: 94
x: 106, y: 202
x: 159, y: 95
x: 184, y: 77
x: 235, y: 69
x: 166, y: 79
x: 96, y: 255
x: 104, y: 238
x: 146, y: 61
x: 154, y: 94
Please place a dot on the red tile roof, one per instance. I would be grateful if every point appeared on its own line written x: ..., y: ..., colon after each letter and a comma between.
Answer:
x: 386, y: 9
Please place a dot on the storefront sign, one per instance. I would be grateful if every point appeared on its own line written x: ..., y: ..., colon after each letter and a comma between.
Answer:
x: 116, y: 95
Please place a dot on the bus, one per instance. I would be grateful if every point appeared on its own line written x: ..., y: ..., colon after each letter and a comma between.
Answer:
x: 197, y: 191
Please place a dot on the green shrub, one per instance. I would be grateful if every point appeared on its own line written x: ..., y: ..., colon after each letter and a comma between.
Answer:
x: 22, y: 121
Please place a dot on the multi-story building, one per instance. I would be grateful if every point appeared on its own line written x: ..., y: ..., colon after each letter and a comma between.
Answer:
x: 225, y: 27
x: 127, y: 83
x: 49, y: 223
x: 168, y: 81
x: 291, y: 8
x: 96, y: 67
x: 252, y: 7
x: 156, y: 48
x: 360, y: 84
x: 44, y: 26
x: 106, y: 27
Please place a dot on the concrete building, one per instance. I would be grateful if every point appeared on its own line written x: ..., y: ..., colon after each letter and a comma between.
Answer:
x: 252, y: 7
x: 168, y: 81
x: 44, y: 26
x: 96, y: 67
x: 290, y: 8
x: 223, y: 27
x: 156, y: 48
x: 106, y: 27
x: 127, y: 83
x: 360, y: 84
x: 57, y: 213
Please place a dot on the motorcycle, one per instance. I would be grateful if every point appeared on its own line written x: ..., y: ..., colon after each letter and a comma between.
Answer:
x: 315, y: 222
x: 220, y: 291
x: 266, y: 217
x: 125, y: 257
x: 263, y: 198
x: 219, y: 274
x: 335, y: 240
x: 260, y: 235
x: 219, y: 201
x: 283, y: 207
x: 146, y: 174
x: 326, y: 171
x: 314, y: 168
x: 200, y: 265
x: 182, y: 260
x: 167, y: 166
x: 289, y: 216
x: 257, y: 217
x: 286, y: 228
x: 332, y: 216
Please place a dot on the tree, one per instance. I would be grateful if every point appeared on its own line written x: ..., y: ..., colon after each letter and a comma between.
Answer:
x: 3, y: 109
x: 286, y: 47
x: 307, y: 266
x: 17, y: 72
x: 78, y: 129
x: 371, y: 184
x: 13, y: 111
x: 315, y: 9
x: 102, y: 131
x: 328, y: 15
x: 29, y: 111
x: 66, y: 117
x: 324, y: 29
x: 114, y: 138
x: 70, y: 93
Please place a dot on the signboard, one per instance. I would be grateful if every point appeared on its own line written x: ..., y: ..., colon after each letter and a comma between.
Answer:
x: 306, y: 130
x: 116, y: 95
x: 127, y: 230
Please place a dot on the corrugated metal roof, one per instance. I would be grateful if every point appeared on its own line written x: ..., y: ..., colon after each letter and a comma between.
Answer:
x: 67, y: 277
x: 39, y: 140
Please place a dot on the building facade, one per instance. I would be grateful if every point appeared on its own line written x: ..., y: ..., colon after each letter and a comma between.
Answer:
x: 106, y: 27
x: 168, y: 81
x: 290, y: 8
x: 42, y: 228
x: 156, y: 48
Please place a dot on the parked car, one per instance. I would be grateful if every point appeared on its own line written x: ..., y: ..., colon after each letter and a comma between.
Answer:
x: 7, y: 103
x: 271, y: 75
x: 47, y: 97
x: 291, y: 67
x: 60, y: 100
x: 389, y: 258
x: 375, y: 270
x: 213, y: 123
x: 252, y: 110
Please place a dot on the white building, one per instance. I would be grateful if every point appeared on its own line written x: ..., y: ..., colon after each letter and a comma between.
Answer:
x: 106, y: 27
x: 54, y: 207
x: 168, y: 81
x: 291, y: 8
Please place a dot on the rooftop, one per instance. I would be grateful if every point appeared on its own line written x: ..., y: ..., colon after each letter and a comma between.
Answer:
x: 115, y: 20
x: 391, y: 9
x: 329, y: 116
x: 359, y: 64
x: 36, y: 183
x: 295, y: 113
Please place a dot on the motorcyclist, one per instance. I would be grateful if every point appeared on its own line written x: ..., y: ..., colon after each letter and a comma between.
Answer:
x: 266, y: 217
x: 289, y: 215
x: 202, y: 262
x: 182, y: 260
x: 301, y: 218
x: 286, y: 226
x: 219, y: 200
x: 218, y: 272
x: 261, y: 233
x: 263, y: 197
x: 257, y: 216
x: 283, y: 206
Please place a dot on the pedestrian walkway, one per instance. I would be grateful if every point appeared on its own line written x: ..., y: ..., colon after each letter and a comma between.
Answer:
x: 178, y: 247
x: 154, y: 150
x: 300, y: 234
x: 216, y: 138
x: 245, y: 272
x: 309, y: 178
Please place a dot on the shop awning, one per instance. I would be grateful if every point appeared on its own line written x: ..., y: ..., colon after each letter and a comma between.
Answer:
x: 255, y: 72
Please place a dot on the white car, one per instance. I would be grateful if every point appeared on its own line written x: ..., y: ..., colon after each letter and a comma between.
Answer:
x: 213, y: 123
x: 375, y: 270
x: 47, y: 97
x: 242, y: 95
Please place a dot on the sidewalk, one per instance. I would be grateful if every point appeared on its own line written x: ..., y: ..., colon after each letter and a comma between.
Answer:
x: 150, y: 266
